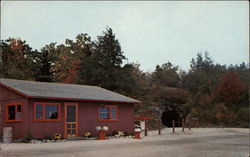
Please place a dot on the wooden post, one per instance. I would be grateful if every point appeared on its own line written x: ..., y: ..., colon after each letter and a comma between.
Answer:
x: 189, y: 127
x: 159, y: 126
x: 173, y: 126
x: 197, y: 123
x: 182, y: 121
x: 146, y: 128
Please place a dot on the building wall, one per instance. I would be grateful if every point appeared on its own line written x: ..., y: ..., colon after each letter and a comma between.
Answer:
x: 39, y: 129
x: 87, y: 119
x: 7, y: 97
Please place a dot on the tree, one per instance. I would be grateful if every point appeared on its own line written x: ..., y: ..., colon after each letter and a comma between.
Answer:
x: 60, y: 59
x: 103, y: 66
x: 17, y: 59
x: 166, y: 75
x: 230, y: 89
x: 128, y: 82
x: 81, y: 48
x: 203, y: 75
x: 44, y: 61
x: 108, y: 50
x: 72, y: 73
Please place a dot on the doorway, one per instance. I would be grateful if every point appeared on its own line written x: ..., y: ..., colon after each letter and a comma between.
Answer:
x: 71, y: 119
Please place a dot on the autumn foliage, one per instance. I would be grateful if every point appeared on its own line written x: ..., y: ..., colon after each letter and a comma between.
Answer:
x: 73, y: 71
x: 230, y: 88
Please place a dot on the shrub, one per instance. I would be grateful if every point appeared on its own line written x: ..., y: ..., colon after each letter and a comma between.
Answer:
x: 114, y: 132
x: 28, y: 138
x: 126, y: 133
x: 48, y: 137
x: 108, y: 134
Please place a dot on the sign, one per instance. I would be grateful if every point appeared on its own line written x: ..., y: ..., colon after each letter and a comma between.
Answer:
x: 142, y: 124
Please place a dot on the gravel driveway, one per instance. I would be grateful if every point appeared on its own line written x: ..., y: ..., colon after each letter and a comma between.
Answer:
x: 201, y: 142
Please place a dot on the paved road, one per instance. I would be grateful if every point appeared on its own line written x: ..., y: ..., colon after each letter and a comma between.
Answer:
x: 194, y: 143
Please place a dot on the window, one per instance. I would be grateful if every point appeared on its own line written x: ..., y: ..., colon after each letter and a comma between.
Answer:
x: 113, y: 113
x: 39, y: 111
x: 107, y: 113
x: 51, y: 111
x: 46, y: 111
x: 14, y: 112
x: 104, y: 113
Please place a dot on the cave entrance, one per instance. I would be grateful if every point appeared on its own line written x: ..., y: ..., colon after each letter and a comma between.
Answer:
x: 168, y: 117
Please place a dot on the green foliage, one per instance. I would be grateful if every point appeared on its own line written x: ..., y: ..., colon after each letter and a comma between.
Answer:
x: 242, y: 117
x: 203, y: 76
x: 103, y: 66
x: 44, y: 73
x: 68, y: 57
x: 166, y: 75
x: 17, y: 59
x: 217, y: 92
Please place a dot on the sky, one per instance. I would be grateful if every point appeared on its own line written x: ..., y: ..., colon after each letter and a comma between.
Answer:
x: 150, y: 33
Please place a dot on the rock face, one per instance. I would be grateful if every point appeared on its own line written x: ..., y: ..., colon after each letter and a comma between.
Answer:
x: 171, y: 102
x: 191, y: 121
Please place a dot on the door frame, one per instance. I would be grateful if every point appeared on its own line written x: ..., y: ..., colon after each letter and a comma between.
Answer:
x: 65, y: 117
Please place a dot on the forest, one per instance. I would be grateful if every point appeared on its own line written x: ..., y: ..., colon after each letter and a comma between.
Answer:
x: 218, y: 95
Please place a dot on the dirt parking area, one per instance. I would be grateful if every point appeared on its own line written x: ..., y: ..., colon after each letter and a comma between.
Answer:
x: 197, y: 142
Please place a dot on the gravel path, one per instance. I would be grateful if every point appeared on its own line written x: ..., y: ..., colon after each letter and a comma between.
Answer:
x: 201, y: 142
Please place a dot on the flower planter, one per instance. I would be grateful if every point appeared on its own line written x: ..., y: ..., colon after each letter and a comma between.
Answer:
x: 137, y: 135
x: 101, y: 135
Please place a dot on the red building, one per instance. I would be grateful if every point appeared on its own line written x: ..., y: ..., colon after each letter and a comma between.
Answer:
x: 43, y: 109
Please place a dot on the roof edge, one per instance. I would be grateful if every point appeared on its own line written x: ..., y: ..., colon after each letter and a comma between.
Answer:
x: 79, y: 99
x: 13, y: 90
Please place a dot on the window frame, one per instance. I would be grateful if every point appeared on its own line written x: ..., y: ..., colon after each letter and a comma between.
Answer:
x: 109, y: 113
x: 44, y: 119
x: 7, y: 111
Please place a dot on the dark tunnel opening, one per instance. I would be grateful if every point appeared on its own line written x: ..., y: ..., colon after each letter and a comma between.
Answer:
x: 168, y: 117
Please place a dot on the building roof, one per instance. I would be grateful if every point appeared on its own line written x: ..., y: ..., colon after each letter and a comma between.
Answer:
x: 33, y: 89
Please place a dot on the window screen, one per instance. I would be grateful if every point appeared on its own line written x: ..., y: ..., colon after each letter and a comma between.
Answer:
x: 71, y: 113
